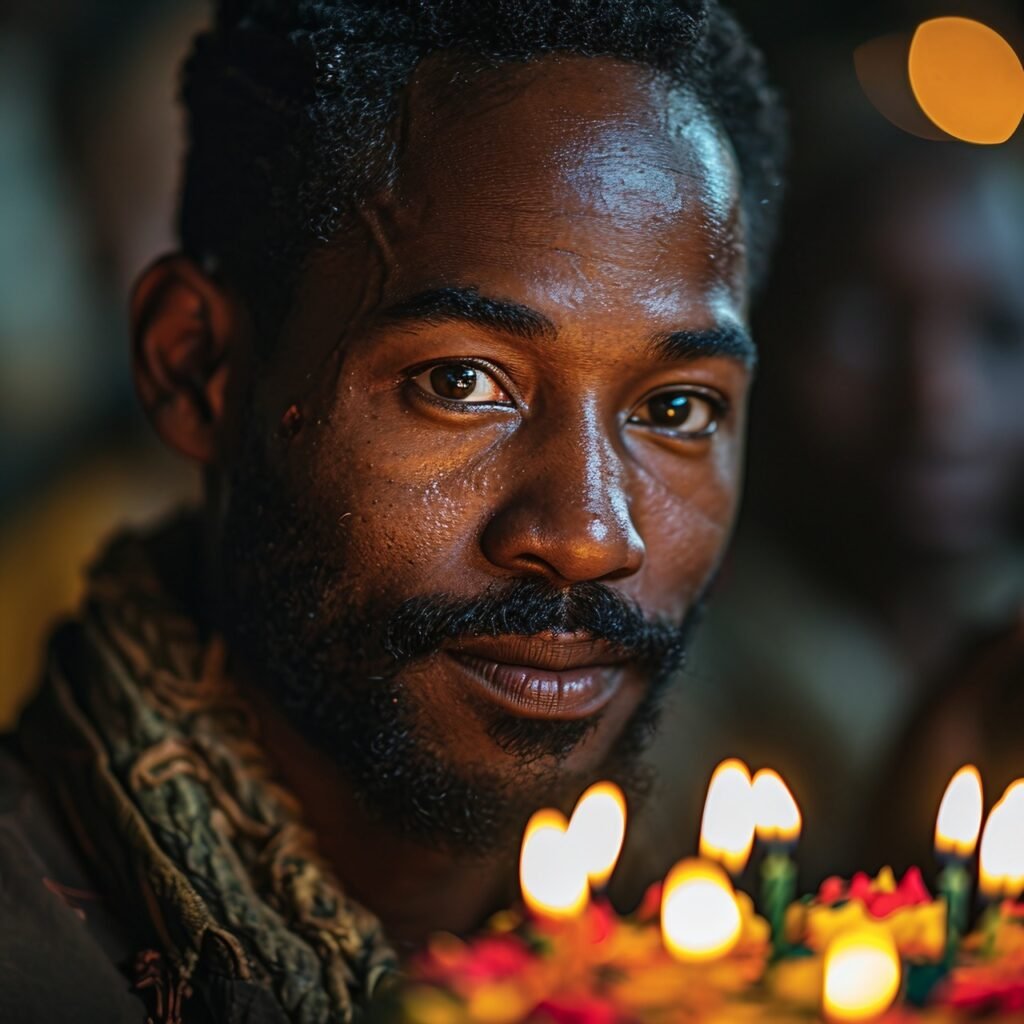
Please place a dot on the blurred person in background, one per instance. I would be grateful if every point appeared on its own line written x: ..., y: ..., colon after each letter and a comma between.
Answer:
x: 881, y: 536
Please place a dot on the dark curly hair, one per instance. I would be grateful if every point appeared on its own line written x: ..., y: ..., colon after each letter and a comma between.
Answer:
x: 290, y: 105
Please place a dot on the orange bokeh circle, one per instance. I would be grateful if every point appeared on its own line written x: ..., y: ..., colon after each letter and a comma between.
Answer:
x: 967, y: 79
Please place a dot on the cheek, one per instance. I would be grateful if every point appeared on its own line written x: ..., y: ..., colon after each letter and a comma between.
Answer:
x: 409, y: 507
x: 685, y: 519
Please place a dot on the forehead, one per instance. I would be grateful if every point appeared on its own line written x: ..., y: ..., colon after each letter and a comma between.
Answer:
x: 584, y: 180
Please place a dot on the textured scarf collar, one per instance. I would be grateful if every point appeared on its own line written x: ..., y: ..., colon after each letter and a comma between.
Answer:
x: 155, y: 757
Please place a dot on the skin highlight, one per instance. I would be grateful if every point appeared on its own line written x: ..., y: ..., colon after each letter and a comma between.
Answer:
x: 572, y: 247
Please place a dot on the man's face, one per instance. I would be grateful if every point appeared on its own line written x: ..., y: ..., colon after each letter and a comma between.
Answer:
x: 494, y: 459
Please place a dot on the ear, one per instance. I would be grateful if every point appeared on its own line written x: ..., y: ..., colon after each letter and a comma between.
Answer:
x: 186, y: 335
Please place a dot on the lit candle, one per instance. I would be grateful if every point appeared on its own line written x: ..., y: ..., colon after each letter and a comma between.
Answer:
x: 727, y: 826
x: 1014, y: 794
x: 597, y: 829
x: 1001, y: 857
x: 956, y: 836
x: 700, y: 918
x: 778, y: 822
x: 1002, y: 846
x: 862, y: 974
x: 552, y: 879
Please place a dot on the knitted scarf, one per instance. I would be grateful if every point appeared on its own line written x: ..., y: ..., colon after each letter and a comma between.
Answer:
x: 154, y: 755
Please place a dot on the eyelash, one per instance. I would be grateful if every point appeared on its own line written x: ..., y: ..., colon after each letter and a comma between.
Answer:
x: 408, y: 383
x: 720, y: 409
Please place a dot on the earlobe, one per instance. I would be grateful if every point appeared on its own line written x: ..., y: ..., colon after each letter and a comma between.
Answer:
x: 186, y: 331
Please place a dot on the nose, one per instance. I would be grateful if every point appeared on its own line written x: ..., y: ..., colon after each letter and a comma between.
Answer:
x: 568, y: 517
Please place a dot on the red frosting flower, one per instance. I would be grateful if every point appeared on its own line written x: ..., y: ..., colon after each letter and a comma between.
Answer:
x: 881, y: 896
x: 489, y: 958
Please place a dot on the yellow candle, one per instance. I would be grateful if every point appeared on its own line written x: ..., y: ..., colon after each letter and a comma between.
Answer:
x: 597, y: 829
x: 862, y: 974
x: 552, y: 878
x: 959, y: 819
x: 727, y: 826
x: 700, y: 918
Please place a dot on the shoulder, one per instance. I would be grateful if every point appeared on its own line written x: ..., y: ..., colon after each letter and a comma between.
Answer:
x: 58, y: 946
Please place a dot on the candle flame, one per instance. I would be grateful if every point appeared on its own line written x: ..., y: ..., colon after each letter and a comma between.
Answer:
x: 1001, y: 857
x: 862, y: 974
x: 959, y: 820
x: 551, y: 876
x: 597, y: 829
x: 727, y: 827
x: 776, y: 813
x: 700, y: 918
x: 1014, y: 793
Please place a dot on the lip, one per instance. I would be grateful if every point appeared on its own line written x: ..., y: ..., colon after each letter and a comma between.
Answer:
x: 552, y: 676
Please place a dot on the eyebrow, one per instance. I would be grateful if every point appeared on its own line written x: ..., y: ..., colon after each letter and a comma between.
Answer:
x: 729, y: 341
x: 466, y: 305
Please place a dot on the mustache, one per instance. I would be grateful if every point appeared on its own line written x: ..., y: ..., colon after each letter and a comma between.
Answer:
x: 421, y: 625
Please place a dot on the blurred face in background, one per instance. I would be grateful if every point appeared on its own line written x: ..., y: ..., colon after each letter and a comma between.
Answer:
x: 899, y: 395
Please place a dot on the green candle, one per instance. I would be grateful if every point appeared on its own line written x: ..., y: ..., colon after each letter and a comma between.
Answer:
x: 955, y: 887
x: 956, y: 836
x: 778, y: 827
x: 778, y: 890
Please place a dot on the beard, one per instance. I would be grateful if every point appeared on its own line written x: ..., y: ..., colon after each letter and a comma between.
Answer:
x: 336, y: 668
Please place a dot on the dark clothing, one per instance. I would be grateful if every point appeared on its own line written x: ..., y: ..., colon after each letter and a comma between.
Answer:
x: 64, y: 956
x: 61, y: 953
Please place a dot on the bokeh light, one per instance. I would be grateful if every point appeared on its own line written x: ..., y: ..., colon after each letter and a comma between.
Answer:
x: 862, y: 974
x: 967, y: 79
x: 700, y: 918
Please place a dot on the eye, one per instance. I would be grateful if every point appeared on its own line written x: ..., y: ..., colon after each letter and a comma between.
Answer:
x: 460, y: 382
x: 683, y: 412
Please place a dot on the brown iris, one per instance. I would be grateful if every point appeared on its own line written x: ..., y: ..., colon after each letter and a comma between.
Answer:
x: 453, y: 380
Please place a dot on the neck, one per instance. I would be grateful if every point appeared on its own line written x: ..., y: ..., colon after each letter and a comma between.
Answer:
x: 414, y: 890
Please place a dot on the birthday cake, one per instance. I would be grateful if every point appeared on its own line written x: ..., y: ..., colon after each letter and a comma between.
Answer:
x: 699, y: 950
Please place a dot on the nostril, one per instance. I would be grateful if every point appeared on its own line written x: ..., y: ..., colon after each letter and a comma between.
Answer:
x: 528, y: 561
